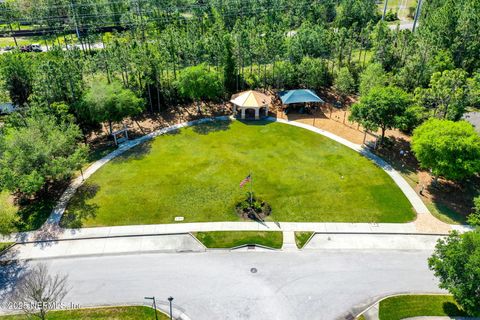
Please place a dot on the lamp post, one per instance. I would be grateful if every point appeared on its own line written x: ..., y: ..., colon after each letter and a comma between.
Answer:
x: 154, y: 306
x: 170, y: 299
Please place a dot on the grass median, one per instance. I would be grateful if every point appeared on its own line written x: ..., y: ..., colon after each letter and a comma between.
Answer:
x: 5, y: 245
x: 111, y: 313
x: 406, y: 306
x: 231, y: 239
x: 301, y: 238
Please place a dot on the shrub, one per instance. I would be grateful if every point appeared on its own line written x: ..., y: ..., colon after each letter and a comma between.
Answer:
x: 253, y: 207
x: 391, y: 15
x: 474, y: 217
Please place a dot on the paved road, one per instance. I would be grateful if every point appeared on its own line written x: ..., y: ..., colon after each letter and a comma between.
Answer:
x: 220, y: 285
x: 95, y: 46
x: 403, y: 25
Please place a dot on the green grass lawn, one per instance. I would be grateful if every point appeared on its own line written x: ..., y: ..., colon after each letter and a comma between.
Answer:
x: 5, y: 245
x: 195, y: 173
x: 230, y: 239
x: 112, y: 313
x: 301, y: 237
x: 400, y: 307
x: 31, y: 216
x: 445, y: 214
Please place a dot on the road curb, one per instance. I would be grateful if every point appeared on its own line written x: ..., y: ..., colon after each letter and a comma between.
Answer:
x: 133, y: 235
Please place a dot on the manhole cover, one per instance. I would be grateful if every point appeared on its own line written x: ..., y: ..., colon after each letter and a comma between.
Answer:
x: 253, y: 270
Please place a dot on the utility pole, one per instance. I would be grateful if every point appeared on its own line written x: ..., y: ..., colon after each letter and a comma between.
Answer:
x: 76, y: 24
x: 417, y: 15
x: 384, y: 10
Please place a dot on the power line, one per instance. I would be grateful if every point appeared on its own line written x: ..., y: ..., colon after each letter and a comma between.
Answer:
x: 151, y: 15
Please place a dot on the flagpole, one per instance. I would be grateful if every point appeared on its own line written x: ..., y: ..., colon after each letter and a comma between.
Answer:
x: 251, y: 188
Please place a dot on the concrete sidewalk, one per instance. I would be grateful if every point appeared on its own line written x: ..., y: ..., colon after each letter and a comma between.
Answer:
x: 182, y: 243
x: 371, y: 242
x: 53, y: 232
x: 173, y: 243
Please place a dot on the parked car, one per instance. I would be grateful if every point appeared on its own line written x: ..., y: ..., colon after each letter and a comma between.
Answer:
x: 36, y: 47
x: 31, y: 48
x: 26, y: 48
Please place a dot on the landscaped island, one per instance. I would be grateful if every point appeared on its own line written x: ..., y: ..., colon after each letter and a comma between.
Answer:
x: 401, y: 307
x: 195, y: 173
x: 111, y: 313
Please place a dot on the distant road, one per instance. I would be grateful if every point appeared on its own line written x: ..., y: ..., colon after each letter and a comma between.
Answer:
x: 44, y: 48
x: 404, y: 25
x: 314, y: 284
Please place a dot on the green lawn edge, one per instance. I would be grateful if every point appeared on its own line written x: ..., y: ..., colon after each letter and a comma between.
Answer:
x: 107, y: 313
x: 101, y: 200
x: 232, y: 239
x: 5, y: 245
x: 406, y: 306
x: 301, y: 238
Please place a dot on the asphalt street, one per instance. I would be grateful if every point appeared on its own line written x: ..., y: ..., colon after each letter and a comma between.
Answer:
x: 320, y: 284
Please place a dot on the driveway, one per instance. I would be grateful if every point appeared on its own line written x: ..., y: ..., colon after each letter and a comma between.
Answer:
x: 220, y: 285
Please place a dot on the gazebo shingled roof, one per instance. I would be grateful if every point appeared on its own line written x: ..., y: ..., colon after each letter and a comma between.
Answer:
x: 250, y: 99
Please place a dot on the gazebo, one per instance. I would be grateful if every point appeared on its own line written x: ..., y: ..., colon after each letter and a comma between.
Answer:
x: 250, y: 100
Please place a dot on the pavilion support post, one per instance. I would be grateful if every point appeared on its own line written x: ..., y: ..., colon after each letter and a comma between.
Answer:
x: 266, y: 111
x: 257, y: 113
x: 243, y: 114
x: 234, y: 110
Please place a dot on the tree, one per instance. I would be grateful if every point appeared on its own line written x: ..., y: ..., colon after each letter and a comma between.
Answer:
x: 17, y: 73
x: 474, y: 217
x: 309, y: 40
x: 39, y: 291
x: 450, y: 149
x: 344, y: 82
x: 312, y: 73
x: 452, y: 25
x: 229, y: 67
x: 413, y: 116
x: 447, y: 94
x: 109, y: 102
x: 383, y: 46
x: 455, y: 262
x: 356, y: 13
x: 37, y: 149
x: 199, y: 82
x: 285, y: 75
x: 372, y: 76
x: 381, y: 108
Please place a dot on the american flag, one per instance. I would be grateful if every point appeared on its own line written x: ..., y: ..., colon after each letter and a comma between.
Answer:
x: 245, y: 181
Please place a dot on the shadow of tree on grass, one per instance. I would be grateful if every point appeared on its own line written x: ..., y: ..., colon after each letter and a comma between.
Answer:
x: 212, y: 126
x: 452, y: 310
x: 79, y: 209
x: 136, y: 153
